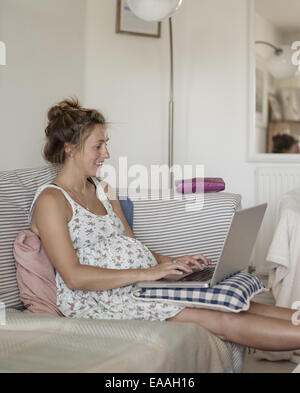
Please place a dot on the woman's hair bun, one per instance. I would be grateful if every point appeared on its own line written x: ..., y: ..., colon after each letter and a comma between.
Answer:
x: 54, y: 113
x: 66, y: 106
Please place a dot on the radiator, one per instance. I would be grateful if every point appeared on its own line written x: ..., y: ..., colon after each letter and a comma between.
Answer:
x: 271, y: 184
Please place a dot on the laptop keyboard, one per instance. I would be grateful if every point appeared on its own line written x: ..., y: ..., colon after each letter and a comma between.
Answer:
x: 202, y: 275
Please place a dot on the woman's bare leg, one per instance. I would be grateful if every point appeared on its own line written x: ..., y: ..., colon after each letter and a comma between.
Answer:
x: 251, y: 330
x: 271, y: 311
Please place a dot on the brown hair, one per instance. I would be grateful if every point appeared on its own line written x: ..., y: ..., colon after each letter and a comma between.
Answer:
x: 283, y: 142
x: 68, y: 122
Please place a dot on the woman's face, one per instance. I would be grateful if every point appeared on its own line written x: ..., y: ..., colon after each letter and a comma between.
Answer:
x: 95, y: 151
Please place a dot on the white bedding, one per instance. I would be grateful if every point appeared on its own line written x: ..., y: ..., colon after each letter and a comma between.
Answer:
x: 284, y: 252
x: 42, y: 343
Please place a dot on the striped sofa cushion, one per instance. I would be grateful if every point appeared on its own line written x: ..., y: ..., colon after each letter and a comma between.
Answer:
x: 17, y: 189
x: 168, y: 228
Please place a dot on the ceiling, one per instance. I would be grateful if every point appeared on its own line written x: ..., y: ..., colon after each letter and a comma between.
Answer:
x: 284, y: 14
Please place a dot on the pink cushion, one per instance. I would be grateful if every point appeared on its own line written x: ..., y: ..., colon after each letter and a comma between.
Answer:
x: 35, y: 275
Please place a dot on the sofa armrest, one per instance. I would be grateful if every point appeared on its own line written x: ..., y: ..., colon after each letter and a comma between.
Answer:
x: 168, y: 228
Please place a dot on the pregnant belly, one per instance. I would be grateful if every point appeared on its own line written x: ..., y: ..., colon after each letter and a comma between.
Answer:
x: 119, y: 252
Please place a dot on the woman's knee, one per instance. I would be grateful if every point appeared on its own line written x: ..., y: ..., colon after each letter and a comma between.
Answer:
x: 227, y: 321
x: 217, y: 322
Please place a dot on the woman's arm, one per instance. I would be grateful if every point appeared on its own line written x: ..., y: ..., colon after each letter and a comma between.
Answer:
x: 197, y: 260
x: 161, y: 258
x: 115, y: 203
x: 51, y: 221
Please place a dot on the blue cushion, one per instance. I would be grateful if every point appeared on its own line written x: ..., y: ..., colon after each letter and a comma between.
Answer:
x: 233, y: 294
x: 127, y: 207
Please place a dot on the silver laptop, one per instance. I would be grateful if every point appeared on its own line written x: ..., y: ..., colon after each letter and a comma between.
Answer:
x: 234, y: 258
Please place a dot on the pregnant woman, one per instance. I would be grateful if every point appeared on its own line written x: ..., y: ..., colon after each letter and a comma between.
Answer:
x: 96, y: 257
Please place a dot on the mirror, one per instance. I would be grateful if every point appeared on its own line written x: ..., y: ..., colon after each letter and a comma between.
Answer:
x: 275, y: 125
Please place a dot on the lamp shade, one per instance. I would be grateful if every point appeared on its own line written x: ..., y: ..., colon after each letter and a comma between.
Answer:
x: 2, y: 53
x: 153, y: 10
x: 280, y: 65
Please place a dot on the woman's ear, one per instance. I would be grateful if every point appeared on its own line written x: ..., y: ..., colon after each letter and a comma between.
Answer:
x: 69, y: 148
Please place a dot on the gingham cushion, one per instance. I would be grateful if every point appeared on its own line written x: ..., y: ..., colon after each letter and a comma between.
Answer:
x: 233, y: 294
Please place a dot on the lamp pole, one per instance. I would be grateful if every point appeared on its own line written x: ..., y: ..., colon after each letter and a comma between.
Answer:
x: 158, y: 10
x: 171, y: 109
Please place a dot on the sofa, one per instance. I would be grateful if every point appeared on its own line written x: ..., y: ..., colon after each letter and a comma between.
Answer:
x: 32, y: 342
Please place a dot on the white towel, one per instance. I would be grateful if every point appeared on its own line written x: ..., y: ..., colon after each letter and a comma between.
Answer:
x: 284, y: 261
x: 284, y: 252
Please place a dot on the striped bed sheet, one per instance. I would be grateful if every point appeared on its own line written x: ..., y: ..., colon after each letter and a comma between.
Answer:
x: 43, y: 343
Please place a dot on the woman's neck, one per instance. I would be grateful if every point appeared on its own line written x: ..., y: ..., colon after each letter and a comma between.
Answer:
x: 73, y: 179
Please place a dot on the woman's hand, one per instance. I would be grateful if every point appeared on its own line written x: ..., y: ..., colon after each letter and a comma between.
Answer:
x: 164, y: 269
x: 197, y: 260
x: 170, y: 267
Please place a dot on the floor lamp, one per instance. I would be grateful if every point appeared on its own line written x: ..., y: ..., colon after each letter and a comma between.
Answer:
x: 154, y: 11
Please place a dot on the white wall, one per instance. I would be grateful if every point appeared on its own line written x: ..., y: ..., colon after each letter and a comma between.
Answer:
x: 214, y: 77
x: 57, y: 48
x: 45, y: 62
x: 129, y: 78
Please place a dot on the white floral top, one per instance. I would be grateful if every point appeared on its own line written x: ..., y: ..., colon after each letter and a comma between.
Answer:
x: 100, y: 241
